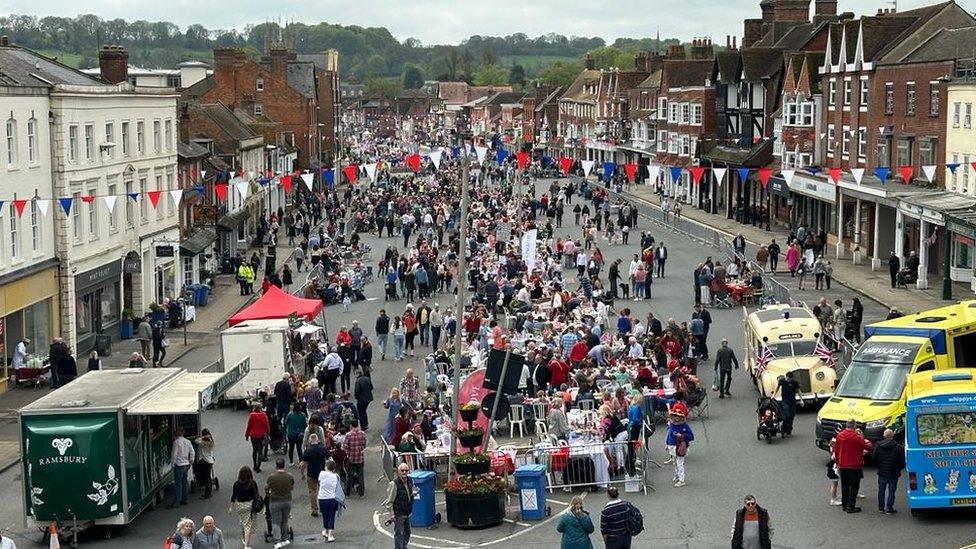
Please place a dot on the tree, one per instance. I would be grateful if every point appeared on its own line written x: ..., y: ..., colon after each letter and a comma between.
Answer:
x: 490, y: 75
x: 413, y: 78
x: 560, y: 73
x: 452, y: 61
x: 516, y: 76
x: 387, y: 87
x: 489, y: 57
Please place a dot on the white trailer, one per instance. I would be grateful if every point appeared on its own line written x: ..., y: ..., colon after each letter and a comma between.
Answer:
x: 266, y: 343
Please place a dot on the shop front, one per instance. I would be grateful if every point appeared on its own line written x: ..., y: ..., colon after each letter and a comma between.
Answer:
x: 97, y: 304
x: 28, y: 303
x: 780, y: 201
x: 923, y: 231
x: 962, y: 227
x: 813, y: 203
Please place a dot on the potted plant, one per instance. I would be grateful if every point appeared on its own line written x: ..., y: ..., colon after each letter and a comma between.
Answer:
x: 476, y: 501
x: 470, y: 437
x: 156, y: 312
x: 469, y: 411
x: 472, y: 463
x: 127, y: 328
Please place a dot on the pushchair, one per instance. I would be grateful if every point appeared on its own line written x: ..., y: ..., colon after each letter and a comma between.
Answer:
x: 770, y: 420
x: 269, y: 533
x: 198, y: 480
x: 906, y: 277
x: 391, y: 292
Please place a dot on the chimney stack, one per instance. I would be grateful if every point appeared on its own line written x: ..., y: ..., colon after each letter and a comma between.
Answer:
x: 797, y: 11
x: 752, y: 32
x: 702, y: 49
x: 113, y: 64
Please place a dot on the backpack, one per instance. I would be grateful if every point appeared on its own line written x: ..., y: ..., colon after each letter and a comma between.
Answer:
x: 173, y: 538
x: 635, y: 520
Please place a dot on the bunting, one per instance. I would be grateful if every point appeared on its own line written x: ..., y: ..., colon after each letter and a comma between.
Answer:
x: 65, y: 205
x: 675, y: 173
x: 743, y: 174
x: 413, y: 161
x: 952, y: 167
x: 175, y: 194
x: 352, y: 171
x: 587, y: 166
x: 153, y: 198
x: 696, y: 174
x: 435, y: 157
x: 285, y: 181
x: 906, y: 174
x: 110, y: 203
x: 565, y: 163
x: 19, y: 206
x: 242, y: 188
x: 308, y: 178
x: 764, y: 175
x: 221, y: 190
x: 500, y: 156
x: 522, y: 159
x: 858, y: 174
x: 788, y: 176
x: 719, y: 174
x: 608, y: 170
x: 481, y: 152
x: 929, y: 172
x: 834, y: 174
x: 653, y: 172
x: 882, y: 173
x: 371, y: 172
x: 42, y: 204
x: 630, y: 171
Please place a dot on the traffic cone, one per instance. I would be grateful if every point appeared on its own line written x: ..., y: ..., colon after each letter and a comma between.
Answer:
x: 53, y: 530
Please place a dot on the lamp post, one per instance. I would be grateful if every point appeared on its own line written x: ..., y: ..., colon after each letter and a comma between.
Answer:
x: 461, y: 296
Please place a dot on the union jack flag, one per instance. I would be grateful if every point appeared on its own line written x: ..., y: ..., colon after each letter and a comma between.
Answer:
x: 825, y: 354
x: 762, y: 359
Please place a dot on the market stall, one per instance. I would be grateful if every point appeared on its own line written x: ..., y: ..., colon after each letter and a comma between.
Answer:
x: 276, y: 303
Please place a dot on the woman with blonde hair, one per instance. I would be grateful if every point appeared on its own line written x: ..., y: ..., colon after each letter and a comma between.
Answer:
x: 576, y: 526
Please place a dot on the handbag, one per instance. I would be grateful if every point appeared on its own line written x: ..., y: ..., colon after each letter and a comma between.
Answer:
x: 257, y: 504
x: 165, y: 342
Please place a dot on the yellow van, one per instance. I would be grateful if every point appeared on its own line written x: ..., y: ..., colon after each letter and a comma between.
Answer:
x: 791, y: 334
x: 872, y: 388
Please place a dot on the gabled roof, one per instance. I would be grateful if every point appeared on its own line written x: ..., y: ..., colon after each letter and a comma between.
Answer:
x: 577, y: 90
x: 630, y: 79
x: 553, y: 96
x: 225, y: 119
x: 652, y: 82
x: 191, y: 150
x: 946, y: 44
x: 23, y: 67
x: 454, y: 93
x: 504, y: 98
x: 301, y: 77
x: 726, y: 68
x: 682, y: 73
x: 760, y: 63
x: 199, y: 88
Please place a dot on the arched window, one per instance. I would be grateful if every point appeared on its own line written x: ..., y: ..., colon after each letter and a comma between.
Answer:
x: 11, y: 128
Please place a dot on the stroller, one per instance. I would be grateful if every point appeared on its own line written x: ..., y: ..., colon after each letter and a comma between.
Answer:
x: 770, y: 419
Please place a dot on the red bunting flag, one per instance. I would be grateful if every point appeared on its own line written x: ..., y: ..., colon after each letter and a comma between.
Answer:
x: 906, y: 174
x: 19, y: 206
x: 697, y: 172
x: 764, y: 174
x: 565, y: 163
x: 153, y: 197
x: 240, y: 173
x: 286, y: 183
x: 630, y: 170
x: 87, y: 199
x: 522, y: 159
x: 221, y: 189
x: 834, y: 174
x: 413, y: 161
x: 351, y: 172
x: 973, y: 164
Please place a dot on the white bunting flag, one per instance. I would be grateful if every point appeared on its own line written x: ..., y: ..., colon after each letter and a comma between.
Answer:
x: 371, y: 171
x: 858, y: 173
x: 177, y: 195
x: 929, y: 172
x: 587, y: 166
x: 822, y: 135
x: 42, y: 204
x: 881, y: 129
x: 719, y: 175
x: 241, y: 187
x: 307, y: 178
x: 788, y: 176
x: 110, y: 202
x: 435, y: 157
x: 203, y: 173
x: 480, y: 152
x: 653, y: 173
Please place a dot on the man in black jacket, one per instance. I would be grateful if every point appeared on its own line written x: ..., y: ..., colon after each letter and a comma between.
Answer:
x: 364, y: 395
x: 890, y: 458
x: 894, y: 265
x: 382, y: 332
x: 751, y: 526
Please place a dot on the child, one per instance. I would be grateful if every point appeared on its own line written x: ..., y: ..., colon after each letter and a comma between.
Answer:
x: 346, y: 302
x: 833, y: 477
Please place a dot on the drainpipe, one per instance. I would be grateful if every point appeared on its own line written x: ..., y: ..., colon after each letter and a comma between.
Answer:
x: 947, y: 267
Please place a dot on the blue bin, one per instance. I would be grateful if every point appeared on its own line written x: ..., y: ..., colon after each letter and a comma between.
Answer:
x: 423, y: 502
x: 203, y: 295
x: 531, y: 482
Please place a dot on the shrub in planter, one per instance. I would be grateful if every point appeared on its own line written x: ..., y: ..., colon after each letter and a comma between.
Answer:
x: 470, y: 438
x: 472, y: 463
x: 469, y: 411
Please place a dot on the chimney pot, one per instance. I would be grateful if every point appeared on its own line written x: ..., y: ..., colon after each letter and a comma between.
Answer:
x: 113, y: 64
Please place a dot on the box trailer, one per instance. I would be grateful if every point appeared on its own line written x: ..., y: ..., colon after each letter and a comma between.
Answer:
x: 273, y: 349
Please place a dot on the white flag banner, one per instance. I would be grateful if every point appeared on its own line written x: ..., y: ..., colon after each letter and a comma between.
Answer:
x: 42, y: 204
x: 203, y: 173
x: 371, y: 171
x: 788, y: 176
x: 587, y: 166
x: 241, y: 187
x: 435, y: 157
x: 480, y: 152
x: 177, y: 195
x: 719, y: 174
x: 929, y: 172
x: 858, y: 173
x: 653, y: 172
x: 822, y: 135
x: 307, y: 178
x: 529, y: 244
x: 881, y: 129
x: 110, y: 202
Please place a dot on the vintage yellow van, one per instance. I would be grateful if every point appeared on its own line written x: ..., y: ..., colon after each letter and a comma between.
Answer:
x: 791, y: 334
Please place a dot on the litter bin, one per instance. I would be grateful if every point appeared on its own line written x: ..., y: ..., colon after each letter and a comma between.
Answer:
x: 103, y: 344
x: 531, y: 482
x: 203, y: 295
x: 423, y: 502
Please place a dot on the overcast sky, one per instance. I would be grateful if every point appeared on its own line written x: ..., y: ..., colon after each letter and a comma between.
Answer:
x: 450, y: 21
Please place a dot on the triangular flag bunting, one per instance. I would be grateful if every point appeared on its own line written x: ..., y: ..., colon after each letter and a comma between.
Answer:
x: 973, y: 164
x: 42, y: 204
x: 66, y: 205
x: 19, y: 206
x: 952, y: 166
x: 743, y: 173
x: 242, y: 188
x: 696, y: 174
x: 858, y: 174
x: 413, y: 161
x: 906, y: 174
x: 653, y: 172
x: 221, y: 190
x: 176, y: 195
x: 882, y: 173
x: 351, y: 172
x: 153, y: 197
x: 308, y: 177
x: 834, y: 174
x: 881, y: 129
x: 110, y: 202
x: 500, y: 156
x: 587, y: 166
x: 87, y: 199
x: 764, y: 174
x: 480, y: 152
x: 929, y: 172
x: 565, y: 163
x: 522, y: 159
x: 630, y: 170
x: 608, y: 169
x: 675, y: 173
x: 371, y: 171
x: 203, y: 174
x: 814, y: 170
x: 286, y: 182
x: 435, y: 157
x: 788, y: 176
x: 719, y: 174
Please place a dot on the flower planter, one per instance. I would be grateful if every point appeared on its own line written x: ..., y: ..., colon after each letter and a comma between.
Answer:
x: 469, y: 415
x: 470, y: 441
x: 477, y: 468
x: 475, y: 510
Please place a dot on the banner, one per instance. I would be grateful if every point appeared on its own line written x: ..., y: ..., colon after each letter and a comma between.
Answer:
x: 565, y: 163
x: 608, y: 169
x: 481, y: 152
x: 587, y: 166
x: 529, y: 245
x: 307, y: 178
x: 858, y: 174
x: 371, y: 172
x: 630, y: 170
x: 435, y: 157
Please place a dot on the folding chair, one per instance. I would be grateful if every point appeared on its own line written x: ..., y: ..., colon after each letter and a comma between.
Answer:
x: 540, y: 411
x: 585, y: 405
x: 602, y: 384
x: 516, y: 419
x: 722, y: 300
x: 542, y: 430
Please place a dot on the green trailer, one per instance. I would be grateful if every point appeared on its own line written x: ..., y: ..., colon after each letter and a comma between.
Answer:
x: 96, y: 452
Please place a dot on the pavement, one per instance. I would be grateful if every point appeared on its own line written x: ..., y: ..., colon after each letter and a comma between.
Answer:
x: 724, y: 462
x: 874, y: 284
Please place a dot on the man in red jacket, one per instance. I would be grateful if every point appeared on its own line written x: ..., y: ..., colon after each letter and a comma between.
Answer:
x: 578, y: 352
x: 257, y: 431
x: 849, y: 453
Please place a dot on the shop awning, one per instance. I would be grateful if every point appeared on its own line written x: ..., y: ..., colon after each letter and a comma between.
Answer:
x: 188, y: 393
x: 278, y: 304
x: 230, y: 222
x: 198, y: 242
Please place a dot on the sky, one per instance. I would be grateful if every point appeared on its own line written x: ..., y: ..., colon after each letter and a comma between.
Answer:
x: 450, y: 21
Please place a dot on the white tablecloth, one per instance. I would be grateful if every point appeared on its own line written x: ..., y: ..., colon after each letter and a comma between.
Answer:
x: 600, y: 462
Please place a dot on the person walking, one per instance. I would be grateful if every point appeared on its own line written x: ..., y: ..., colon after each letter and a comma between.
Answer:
x: 181, y: 539
x: 677, y: 441
x: 278, y: 488
x: 615, y: 521
x: 382, y: 329
x: 660, y: 257
x: 209, y: 536
x: 792, y: 259
x: 242, y: 498
x: 144, y: 337
x: 889, y: 456
x: 205, y: 461
x: 257, y: 431
x: 354, y: 445
x: 330, y: 494
x: 575, y: 525
x: 788, y: 387
x: 857, y: 316
x: 399, y: 502
x: 751, y: 529
x: 436, y: 326
x: 894, y: 265
x: 286, y: 278
x: 313, y: 462
x: 295, y: 424
x: 363, y: 392
x: 724, y: 361
x: 849, y: 451
x: 182, y: 457
x: 774, y: 252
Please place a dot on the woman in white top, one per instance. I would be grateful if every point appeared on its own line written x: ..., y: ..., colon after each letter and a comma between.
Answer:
x: 328, y: 501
